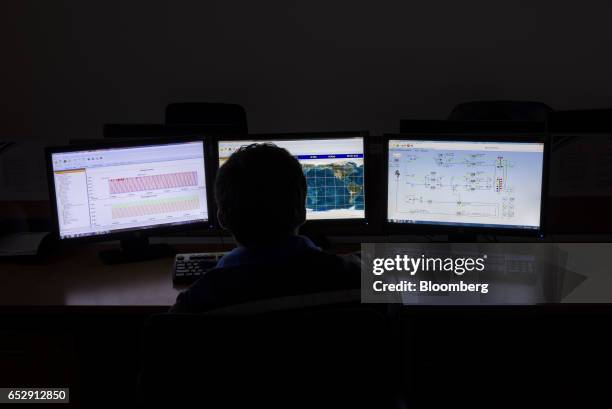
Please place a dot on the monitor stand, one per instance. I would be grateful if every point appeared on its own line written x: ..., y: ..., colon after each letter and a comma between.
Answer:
x: 136, y: 249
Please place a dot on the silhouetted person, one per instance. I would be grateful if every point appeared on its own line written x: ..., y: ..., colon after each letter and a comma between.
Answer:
x: 261, y: 194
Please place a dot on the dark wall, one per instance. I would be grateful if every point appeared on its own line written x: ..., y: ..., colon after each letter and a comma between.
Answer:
x: 73, y: 65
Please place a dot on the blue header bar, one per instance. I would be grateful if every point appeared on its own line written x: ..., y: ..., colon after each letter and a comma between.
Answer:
x: 331, y: 156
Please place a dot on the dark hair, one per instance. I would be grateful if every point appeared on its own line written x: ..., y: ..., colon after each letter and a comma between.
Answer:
x: 261, y: 193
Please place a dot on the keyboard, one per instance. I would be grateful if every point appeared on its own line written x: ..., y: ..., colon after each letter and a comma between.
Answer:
x: 187, y: 268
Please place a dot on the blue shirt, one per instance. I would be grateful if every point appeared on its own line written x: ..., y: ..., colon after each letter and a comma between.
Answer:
x: 278, y: 252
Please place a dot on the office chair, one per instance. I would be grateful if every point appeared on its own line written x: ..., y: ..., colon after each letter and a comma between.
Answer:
x: 500, y: 111
x: 308, y: 358
x: 218, y: 117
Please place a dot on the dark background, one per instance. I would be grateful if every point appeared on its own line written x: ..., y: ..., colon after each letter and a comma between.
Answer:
x: 67, y: 67
x: 70, y: 66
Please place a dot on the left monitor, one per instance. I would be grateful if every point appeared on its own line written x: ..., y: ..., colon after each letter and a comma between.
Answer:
x: 110, y: 190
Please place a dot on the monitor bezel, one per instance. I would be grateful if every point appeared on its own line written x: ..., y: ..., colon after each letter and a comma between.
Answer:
x: 434, y: 228
x: 301, y: 136
x: 139, y: 232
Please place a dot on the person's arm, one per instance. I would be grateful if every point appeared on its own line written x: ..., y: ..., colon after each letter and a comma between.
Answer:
x: 203, y: 295
x: 181, y: 303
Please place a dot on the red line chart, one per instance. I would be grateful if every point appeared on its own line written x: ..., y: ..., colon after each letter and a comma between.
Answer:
x: 152, y: 182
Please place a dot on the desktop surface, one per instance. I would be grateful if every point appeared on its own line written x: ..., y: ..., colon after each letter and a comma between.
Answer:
x: 74, y: 276
x: 334, y: 170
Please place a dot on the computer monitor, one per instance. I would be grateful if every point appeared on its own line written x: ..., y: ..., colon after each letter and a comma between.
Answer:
x: 468, y: 183
x: 114, y: 190
x: 334, y: 170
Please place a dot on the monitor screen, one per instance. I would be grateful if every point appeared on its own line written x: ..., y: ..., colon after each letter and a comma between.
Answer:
x: 118, y: 189
x: 465, y: 183
x: 334, y: 171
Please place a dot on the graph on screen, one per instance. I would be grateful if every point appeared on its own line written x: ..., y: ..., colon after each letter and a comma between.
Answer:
x: 152, y: 182
x: 155, y: 206
x: 107, y: 190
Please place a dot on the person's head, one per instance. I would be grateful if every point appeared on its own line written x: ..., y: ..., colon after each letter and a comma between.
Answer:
x: 261, y: 194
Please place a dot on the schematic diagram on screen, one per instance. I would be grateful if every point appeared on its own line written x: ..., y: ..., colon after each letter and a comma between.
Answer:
x: 475, y: 186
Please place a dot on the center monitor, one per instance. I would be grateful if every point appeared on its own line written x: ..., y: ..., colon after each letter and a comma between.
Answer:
x: 334, y: 170
x: 458, y: 182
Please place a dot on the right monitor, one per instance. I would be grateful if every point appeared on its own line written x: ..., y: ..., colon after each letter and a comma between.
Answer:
x: 465, y: 182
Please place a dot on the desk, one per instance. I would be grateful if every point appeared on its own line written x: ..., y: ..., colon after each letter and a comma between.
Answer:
x: 75, y: 276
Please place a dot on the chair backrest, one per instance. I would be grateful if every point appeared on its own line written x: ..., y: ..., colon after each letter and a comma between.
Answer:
x: 322, y: 358
x: 219, y: 117
x: 500, y: 111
